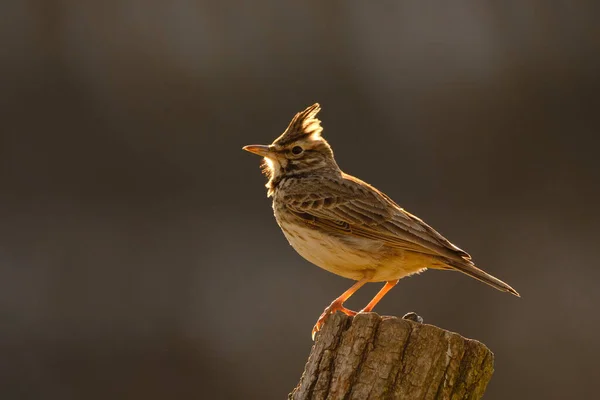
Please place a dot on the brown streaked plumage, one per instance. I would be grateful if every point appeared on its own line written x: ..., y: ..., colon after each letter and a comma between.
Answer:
x: 345, y: 225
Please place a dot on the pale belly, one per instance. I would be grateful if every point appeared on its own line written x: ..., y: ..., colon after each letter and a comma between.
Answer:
x: 353, y: 257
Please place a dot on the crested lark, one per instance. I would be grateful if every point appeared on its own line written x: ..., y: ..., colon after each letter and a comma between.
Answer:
x: 346, y: 226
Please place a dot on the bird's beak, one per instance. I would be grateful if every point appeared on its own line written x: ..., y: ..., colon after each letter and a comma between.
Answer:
x: 258, y: 149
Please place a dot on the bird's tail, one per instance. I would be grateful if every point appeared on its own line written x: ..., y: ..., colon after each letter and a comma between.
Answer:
x: 470, y: 269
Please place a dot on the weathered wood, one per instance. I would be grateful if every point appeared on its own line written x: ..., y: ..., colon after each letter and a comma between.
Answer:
x: 373, y: 357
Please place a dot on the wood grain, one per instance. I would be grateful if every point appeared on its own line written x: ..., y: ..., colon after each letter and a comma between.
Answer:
x: 373, y: 357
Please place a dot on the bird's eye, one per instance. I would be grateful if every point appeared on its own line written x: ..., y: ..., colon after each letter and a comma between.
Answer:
x: 297, y: 150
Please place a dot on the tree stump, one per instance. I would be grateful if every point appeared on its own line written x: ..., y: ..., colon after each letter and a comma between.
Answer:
x: 373, y: 357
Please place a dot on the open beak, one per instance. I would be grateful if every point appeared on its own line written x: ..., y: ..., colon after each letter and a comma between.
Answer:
x: 258, y: 149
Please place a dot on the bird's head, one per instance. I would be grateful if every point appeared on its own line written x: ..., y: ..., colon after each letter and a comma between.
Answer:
x: 300, y: 150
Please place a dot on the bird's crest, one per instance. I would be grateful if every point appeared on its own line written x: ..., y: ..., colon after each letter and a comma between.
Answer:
x: 303, y: 124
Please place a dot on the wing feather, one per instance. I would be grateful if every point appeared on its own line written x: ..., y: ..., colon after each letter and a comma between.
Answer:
x: 351, y: 206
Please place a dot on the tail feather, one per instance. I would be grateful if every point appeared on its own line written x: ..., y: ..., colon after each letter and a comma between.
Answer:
x: 470, y: 269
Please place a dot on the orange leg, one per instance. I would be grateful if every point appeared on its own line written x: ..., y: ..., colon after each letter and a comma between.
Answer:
x: 338, y: 305
x: 386, y: 288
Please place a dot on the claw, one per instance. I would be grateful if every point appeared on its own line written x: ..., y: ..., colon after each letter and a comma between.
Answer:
x: 314, y: 332
x: 331, y: 309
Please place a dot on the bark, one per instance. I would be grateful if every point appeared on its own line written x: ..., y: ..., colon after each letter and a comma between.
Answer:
x: 373, y: 357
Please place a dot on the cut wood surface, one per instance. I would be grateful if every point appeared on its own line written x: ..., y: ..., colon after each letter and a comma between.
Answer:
x: 373, y: 357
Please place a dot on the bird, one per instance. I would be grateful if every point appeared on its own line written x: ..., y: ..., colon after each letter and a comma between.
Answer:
x: 346, y: 226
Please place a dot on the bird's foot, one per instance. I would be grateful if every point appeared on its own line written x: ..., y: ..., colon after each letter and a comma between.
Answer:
x: 412, y: 316
x: 337, y: 305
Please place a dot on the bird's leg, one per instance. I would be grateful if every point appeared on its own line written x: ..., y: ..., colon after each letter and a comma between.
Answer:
x: 386, y: 288
x: 338, y: 305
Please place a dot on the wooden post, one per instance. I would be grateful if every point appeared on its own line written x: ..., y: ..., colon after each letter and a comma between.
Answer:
x: 373, y: 357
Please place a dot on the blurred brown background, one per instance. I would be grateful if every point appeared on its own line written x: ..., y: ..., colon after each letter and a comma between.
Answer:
x: 138, y: 253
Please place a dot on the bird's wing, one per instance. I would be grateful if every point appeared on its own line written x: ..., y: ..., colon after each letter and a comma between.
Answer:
x: 351, y: 206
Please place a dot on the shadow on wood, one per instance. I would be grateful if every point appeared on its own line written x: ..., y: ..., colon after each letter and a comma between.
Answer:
x: 373, y: 357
